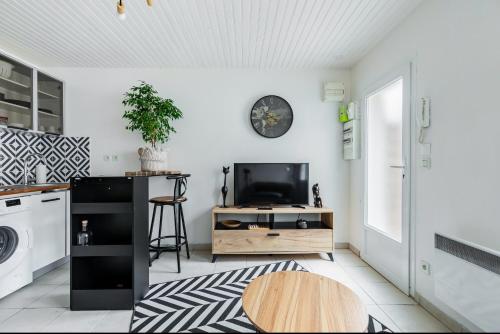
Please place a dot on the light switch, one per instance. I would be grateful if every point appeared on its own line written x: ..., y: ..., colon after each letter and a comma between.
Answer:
x: 425, y: 149
x: 425, y: 155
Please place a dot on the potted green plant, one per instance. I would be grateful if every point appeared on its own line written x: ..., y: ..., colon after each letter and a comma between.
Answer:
x: 152, y: 116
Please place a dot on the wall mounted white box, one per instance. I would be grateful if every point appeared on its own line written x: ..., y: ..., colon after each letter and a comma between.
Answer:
x: 352, y: 147
x: 333, y: 92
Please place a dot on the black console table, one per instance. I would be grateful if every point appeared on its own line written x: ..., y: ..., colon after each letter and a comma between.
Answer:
x: 113, y: 272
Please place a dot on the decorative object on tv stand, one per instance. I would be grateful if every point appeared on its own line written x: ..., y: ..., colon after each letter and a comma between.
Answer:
x: 271, y: 116
x: 224, y: 189
x: 318, y: 203
x: 231, y: 223
x: 301, y: 223
x: 151, y: 115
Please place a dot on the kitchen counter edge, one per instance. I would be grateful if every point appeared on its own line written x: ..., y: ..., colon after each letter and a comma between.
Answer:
x: 33, y: 189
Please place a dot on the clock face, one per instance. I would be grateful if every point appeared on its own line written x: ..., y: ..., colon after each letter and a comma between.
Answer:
x: 271, y: 116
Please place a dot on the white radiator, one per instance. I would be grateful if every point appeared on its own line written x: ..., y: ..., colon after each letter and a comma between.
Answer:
x: 467, y: 278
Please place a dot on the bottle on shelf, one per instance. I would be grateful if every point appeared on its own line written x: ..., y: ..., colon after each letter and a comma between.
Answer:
x: 84, y: 237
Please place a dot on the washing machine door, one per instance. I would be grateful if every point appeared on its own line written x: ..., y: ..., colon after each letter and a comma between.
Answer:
x: 9, y: 240
x: 13, y: 249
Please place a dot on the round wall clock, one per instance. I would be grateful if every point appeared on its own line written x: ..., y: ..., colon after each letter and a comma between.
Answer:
x: 271, y: 116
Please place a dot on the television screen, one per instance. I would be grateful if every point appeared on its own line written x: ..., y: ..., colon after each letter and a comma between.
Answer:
x: 271, y: 183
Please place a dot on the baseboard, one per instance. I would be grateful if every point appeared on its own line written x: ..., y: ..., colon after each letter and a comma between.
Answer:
x: 354, y: 250
x: 200, y: 247
x: 341, y: 245
x: 48, y: 268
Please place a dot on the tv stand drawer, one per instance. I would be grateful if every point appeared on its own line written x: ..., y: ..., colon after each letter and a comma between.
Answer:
x: 272, y: 241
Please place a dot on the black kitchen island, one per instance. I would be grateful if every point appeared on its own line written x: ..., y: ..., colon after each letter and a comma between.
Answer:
x: 112, y: 272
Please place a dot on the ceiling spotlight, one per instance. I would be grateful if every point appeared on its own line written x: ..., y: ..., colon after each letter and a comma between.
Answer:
x: 120, y: 10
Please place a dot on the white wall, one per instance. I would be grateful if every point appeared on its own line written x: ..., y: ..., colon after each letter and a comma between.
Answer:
x: 455, y: 46
x: 215, y: 130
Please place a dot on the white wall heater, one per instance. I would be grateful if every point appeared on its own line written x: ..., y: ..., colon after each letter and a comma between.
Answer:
x: 467, y: 278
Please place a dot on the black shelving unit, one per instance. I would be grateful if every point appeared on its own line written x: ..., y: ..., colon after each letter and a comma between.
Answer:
x: 113, y: 272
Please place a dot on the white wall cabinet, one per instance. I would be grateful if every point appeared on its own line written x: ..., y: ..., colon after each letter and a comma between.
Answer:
x: 29, y: 99
x: 49, y: 228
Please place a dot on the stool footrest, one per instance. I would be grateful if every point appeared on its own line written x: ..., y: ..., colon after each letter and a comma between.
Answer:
x: 165, y: 247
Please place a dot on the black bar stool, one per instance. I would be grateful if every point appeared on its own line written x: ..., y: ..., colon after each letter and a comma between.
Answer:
x: 175, y: 202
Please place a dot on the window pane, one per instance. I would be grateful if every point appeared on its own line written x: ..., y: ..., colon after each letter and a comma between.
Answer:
x: 384, y: 158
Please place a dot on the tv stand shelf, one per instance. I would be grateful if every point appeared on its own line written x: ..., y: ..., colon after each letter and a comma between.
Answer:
x: 283, y: 238
x: 283, y: 225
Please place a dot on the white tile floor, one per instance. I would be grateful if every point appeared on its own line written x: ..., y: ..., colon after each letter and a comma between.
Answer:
x: 44, y: 305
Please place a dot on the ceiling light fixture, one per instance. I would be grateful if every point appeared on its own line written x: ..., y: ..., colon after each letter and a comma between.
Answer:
x: 120, y: 10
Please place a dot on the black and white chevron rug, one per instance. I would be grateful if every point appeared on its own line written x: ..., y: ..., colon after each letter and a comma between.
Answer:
x: 207, y: 304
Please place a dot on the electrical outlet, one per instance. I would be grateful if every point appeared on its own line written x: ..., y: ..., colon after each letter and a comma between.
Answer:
x: 114, y: 158
x: 106, y: 158
x: 426, y: 267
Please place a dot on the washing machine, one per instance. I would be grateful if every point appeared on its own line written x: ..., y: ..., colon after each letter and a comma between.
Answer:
x: 16, y: 244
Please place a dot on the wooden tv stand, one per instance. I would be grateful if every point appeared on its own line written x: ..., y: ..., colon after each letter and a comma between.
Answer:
x: 279, y: 238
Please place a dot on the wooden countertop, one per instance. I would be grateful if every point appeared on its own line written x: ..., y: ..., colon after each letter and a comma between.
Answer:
x: 21, y: 189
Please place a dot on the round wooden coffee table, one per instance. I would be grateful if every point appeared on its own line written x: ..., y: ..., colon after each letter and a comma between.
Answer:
x: 294, y: 301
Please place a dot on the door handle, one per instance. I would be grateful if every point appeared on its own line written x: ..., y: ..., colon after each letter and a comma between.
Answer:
x: 51, y: 200
x: 29, y: 234
x: 403, y: 167
x: 273, y: 234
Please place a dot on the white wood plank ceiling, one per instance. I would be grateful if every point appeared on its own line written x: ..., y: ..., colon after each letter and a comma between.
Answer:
x: 280, y: 34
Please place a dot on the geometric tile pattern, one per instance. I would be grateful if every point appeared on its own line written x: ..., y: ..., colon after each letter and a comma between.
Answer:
x: 206, y: 304
x: 66, y: 156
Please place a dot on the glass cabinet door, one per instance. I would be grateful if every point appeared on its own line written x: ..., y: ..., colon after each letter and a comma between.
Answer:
x: 16, y: 94
x: 50, y: 104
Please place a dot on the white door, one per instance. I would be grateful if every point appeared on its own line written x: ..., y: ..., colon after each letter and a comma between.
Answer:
x: 387, y: 177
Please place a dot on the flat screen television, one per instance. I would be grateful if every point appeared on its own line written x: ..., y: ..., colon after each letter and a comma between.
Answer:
x: 259, y: 184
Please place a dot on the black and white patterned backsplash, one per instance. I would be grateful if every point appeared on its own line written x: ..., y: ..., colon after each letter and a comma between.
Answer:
x: 66, y: 156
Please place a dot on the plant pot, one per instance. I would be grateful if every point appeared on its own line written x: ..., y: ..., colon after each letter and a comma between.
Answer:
x: 152, y: 160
